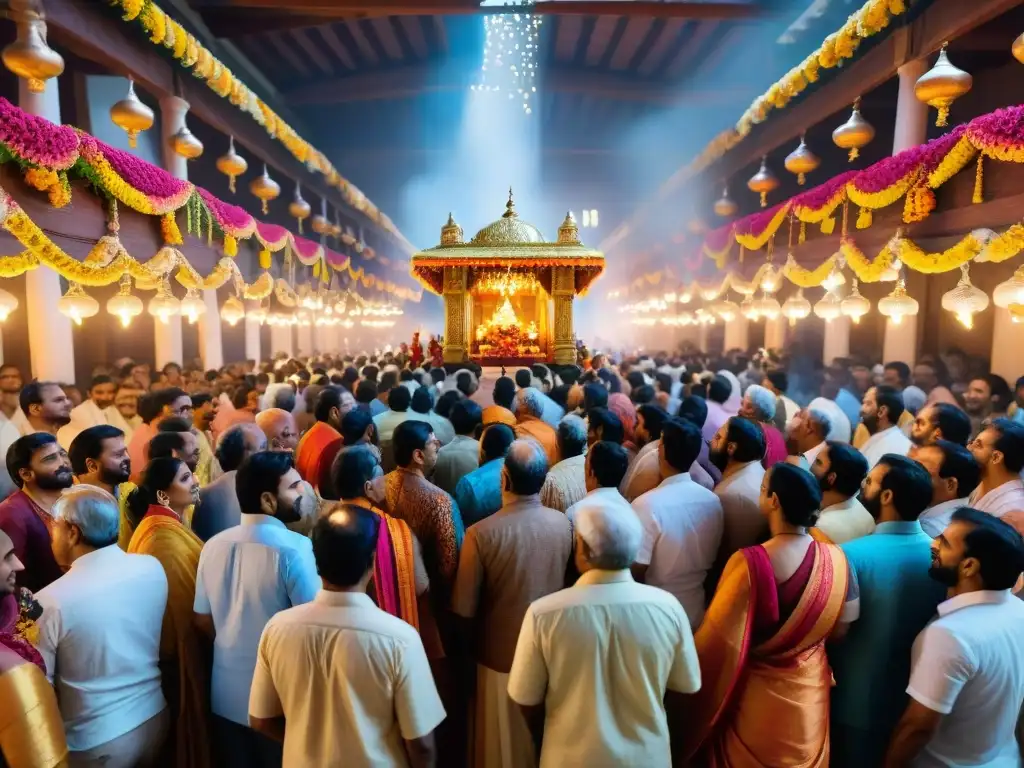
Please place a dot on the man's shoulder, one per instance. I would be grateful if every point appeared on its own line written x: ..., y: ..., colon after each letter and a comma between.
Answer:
x: 15, y: 504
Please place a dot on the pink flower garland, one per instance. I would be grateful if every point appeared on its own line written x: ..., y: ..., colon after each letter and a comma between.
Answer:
x: 37, y: 140
x: 307, y: 251
x: 1000, y: 135
x: 231, y: 219
x: 272, y: 236
x: 337, y: 260
x: 819, y: 198
x: 756, y: 224
x: 150, y: 180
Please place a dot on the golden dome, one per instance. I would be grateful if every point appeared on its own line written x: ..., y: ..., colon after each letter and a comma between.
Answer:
x: 508, y: 230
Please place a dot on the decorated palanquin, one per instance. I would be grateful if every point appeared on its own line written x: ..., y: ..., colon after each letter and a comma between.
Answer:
x: 509, y: 293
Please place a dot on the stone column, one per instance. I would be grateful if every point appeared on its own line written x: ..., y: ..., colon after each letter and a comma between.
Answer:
x: 252, y: 340
x: 281, y: 340
x: 837, y: 340
x: 703, y: 334
x: 775, y: 332
x: 911, y: 130
x: 167, y: 336
x: 50, y: 340
x: 563, y: 291
x: 210, y: 347
x: 304, y: 339
x: 737, y: 334
x: 1007, y: 351
x: 457, y: 315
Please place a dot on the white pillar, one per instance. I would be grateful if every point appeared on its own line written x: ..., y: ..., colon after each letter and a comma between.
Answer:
x: 775, y: 332
x: 1007, y: 351
x: 737, y: 334
x: 304, y: 340
x: 252, y: 340
x: 837, y: 340
x: 911, y: 129
x: 167, y: 336
x: 703, y: 332
x: 281, y: 340
x: 50, y: 341
x: 210, y: 347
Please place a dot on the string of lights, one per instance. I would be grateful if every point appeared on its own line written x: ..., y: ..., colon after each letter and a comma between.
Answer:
x: 510, y: 57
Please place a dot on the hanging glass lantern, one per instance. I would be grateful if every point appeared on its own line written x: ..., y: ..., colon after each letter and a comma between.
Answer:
x: 124, y: 305
x: 855, y: 306
x: 131, y: 115
x: 898, y: 304
x: 747, y: 308
x: 855, y: 134
x: 77, y: 304
x: 164, y: 305
x: 725, y: 206
x: 192, y: 306
x: 941, y: 85
x: 802, y: 161
x: 265, y: 188
x: 835, y: 277
x: 8, y: 303
x: 299, y: 208
x: 966, y: 300
x: 796, y: 307
x: 763, y: 182
x: 828, y: 308
x: 30, y: 57
x: 232, y: 310
x: 185, y: 143
x: 1018, y: 49
x: 232, y: 164
x: 1010, y: 291
x: 727, y: 310
x: 767, y: 307
x: 771, y: 280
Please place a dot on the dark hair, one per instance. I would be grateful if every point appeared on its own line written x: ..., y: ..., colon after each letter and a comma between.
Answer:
x: 199, y: 399
x: 399, y: 399
x: 388, y: 381
x: 570, y: 443
x: 749, y: 439
x: 954, y: 423
x: 174, y: 424
x: 902, y: 371
x: 354, y: 425
x: 526, y: 470
x: 798, y: 493
x: 664, y: 382
x: 20, y: 454
x: 608, y: 462
x: 147, y: 408
x: 504, y: 392
x: 495, y: 441
x: 446, y: 402
x: 910, y: 483
x: 694, y: 409
x: 1000, y: 390
x: 352, y: 469
x: 560, y: 395
x: 328, y: 399
x: 437, y: 375
x: 165, y: 397
x: 654, y: 417
x: 231, y: 449
x: 405, y: 375
x: 524, y: 378
x: 157, y: 476
x: 720, y: 389
x: 609, y: 424
x: 370, y: 373
x: 960, y: 463
x: 996, y: 545
x: 32, y: 393
x: 261, y: 378
x: 642, y: 395
x: 344, y: 548
x: 779, y: 380
x: 570, y: 374
x: 464, y: 382
x: 258, y: 474
x: 682, y: 441
x: 849, y: 465
x: 165, y: 444
x: 636, y: 379
x: 101, y: 379
x: 1011, y: 443
x: 892, y: 399
x: 88, y: 444
x: 169, y: 366
x: 610, y: 379
x: 410, y: 436
x: 466, y: 416
x: 240, y: 397
x: 421, y: 400
x: 594, y: 396
x: 366, y: 391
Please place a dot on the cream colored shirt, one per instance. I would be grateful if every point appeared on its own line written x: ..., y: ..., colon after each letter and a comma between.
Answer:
x: 352, y: 682
x: 845, y: 521
x: 600, y: 656
x: 565, y: 484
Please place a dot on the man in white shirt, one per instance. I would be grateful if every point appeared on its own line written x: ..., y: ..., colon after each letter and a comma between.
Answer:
x: 955, y: 474
x: 247, y: 574
x: 966, y: 681
x: 880, y: 414
x: 682, y: 523
x: 840, y: 469
x: 807, y: 432
x: 737, y: 451
x: 100, y: 635
x: 645, y: 469
x: 999, y: 450
x: 605, y: 466
x: 97, y: 409
x: 840, y: 428
x: 596, y: 664
x: 338, y: 680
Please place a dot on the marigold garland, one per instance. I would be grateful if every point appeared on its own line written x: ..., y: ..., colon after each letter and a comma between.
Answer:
x: 807, y: 278
x: 755, y: 240
x: 867, y: 270
x: 919, y: 260
x: 169, y: 230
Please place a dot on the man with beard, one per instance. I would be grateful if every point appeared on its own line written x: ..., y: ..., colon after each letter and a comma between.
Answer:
x: 986, y: 397
x: 897, y: 599
x: 955, y: 474
x: 806, y: 435
x: 247, y: 574
x: 97, y: 409
x: 41, y: 470
x: 941, y: 421
x: 175, y: 437
x: 46, y: 406
x: 99, y: 456
x: 999, y: 449
x: 737, y: 450
x: 840, y: 469
x: 154, y: 408
x: 218, y: 508
x: 880, y: 413
x: 966, y: 682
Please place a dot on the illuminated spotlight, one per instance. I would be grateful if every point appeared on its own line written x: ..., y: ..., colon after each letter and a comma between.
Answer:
x: 510, y: 42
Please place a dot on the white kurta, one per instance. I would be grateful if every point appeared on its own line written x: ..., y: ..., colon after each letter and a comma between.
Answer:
x: 83, y: 416
x: 891, y: 440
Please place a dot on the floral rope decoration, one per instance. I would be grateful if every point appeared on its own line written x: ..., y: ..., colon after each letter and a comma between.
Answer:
x: 35, y: 141
x: 140, y: 185
x: 999, y: 135
x: 918, y: 260
x: 867, y: 270
x: 754, y: 231
x: 806, y: 278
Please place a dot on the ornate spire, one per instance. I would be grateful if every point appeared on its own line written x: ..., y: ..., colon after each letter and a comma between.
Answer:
x: 569, y: 233
x: 510, y: 207
x: 451, y: 233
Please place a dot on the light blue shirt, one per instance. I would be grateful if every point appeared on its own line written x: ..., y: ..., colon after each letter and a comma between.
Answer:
x: 377, y: 407
x: 552, y: 412
x: 478, y: 494
x: 872, y: 663
x: 246, y: 575
x: 849, y: 404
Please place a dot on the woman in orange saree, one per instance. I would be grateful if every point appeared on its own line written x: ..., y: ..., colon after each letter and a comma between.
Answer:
x: 156, y: 509
x: 765, y: 679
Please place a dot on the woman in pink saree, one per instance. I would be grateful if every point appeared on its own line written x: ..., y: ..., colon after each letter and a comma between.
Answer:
x: 765, y: 679
x: 759, y: 405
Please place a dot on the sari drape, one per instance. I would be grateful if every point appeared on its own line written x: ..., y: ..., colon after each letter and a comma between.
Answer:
x: 394, y: 577
x: 310, y: 449
x: 764, y: 698
x: 181, y: 649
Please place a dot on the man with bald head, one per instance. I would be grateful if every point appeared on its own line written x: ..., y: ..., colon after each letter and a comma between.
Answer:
x: 218, y: 508
x: 508, y: 560
x: 279, y: 427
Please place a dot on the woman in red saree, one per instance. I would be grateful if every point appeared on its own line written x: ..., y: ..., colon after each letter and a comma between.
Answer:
x: 759, y: 406
x: 765, y: 679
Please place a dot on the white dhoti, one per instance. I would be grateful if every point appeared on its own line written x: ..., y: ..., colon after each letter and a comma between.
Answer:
x: 500, y: 737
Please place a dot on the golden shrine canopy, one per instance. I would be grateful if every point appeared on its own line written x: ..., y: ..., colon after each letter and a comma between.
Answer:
x: 506, y: 272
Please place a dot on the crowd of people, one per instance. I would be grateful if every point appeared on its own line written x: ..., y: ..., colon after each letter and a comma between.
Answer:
x: 642, y: 561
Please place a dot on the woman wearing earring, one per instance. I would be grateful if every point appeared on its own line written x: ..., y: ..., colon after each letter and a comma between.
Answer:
x: 156, y: 509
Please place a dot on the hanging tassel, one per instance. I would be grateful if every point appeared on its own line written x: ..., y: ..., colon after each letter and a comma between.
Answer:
x: 316, y: 269
x: 803, y: 233
x: 943, y: 119
x: 979, y: 173
x: 828, y: 226
x: 864, y: 218
x: 764, y: 199
x: 209, y: 231
x: 230, y: 246
x: 801, y: 179
x: 188, y: 217
x: 854, y: 154
x: 169, y: 229
x: 743, y: 253
x: 264, y: 259
x: 300, y: 226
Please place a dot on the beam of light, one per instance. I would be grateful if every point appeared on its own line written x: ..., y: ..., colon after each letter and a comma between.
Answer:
x: 510, y: 64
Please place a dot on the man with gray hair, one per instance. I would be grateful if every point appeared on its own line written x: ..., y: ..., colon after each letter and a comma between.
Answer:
x: 101, y: 640
x: 567, y: 481
x: 529, y: 408
x: 806, y: 435
x: 596, y: 664
x: 218, y: 507
x: 508, y: 560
